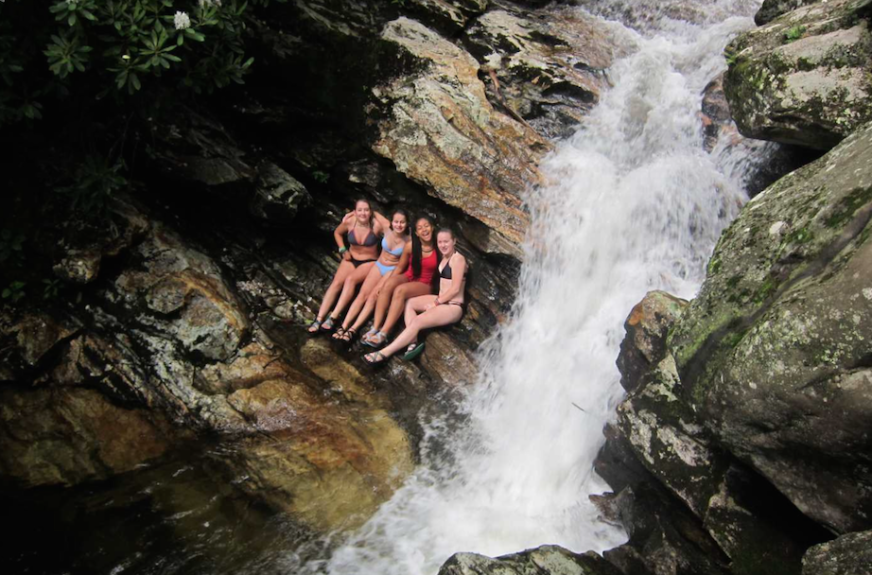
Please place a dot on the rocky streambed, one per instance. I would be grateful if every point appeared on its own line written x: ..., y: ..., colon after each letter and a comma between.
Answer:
x: 742, y: 445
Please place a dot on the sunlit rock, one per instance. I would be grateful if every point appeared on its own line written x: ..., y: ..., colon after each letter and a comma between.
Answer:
x: 772, y: 354
x: 439, y: 129
x: 772, y: 9
x: 548, y: 559
x: 803, y: 78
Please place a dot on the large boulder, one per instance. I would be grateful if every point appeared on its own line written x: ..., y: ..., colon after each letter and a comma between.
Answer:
x: 849, y: 554
x: 531, y: 72
x: 547, y: 560
x: 772, y: 9
x: 803, y: 78
x: 772, y: 354
x: 439, y: 129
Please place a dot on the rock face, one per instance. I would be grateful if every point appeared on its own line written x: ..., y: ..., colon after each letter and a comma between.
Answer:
x: 849, y: 554
x: 772, y: 9
x: 546, y: 559
x: 803, y: 78
x: 771, y: 353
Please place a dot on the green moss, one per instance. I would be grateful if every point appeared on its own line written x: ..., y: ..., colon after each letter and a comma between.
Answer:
x: 849, y: 205
x: 793, y: 34
x: 800, y: 237
x: 714, y: 266
x: 734, y: 281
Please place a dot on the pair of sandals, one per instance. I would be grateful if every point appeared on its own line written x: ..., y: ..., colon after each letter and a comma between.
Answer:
x: 374, y: 338
x: 346, y: 335
x: 413, y: 350
x: 317, y: 325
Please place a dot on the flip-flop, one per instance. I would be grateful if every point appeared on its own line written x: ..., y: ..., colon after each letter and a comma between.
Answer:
x: 374, y: 358
x: 413, y: 351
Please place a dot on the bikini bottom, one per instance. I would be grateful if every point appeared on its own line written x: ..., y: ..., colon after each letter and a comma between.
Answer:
x: 383, y: 268
x: 358, y: 263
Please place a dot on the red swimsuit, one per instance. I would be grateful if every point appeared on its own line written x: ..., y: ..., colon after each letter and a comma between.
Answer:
x: 428, y: 268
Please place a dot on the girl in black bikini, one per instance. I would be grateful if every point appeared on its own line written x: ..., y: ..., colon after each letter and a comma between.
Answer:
x: 362, y: 233
x: 428, y: 311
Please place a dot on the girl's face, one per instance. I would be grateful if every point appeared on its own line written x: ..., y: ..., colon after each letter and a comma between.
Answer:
x: 445, y: 241
x: 424, y: 230
x: 399, y: 223
x: 362, y: 212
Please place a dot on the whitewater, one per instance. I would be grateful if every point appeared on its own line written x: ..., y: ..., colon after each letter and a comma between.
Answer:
x: 633, y: 204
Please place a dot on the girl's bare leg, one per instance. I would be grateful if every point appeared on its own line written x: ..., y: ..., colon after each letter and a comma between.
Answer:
x: 434, y: 317
x: 373, y: 279
x: 342, y: 272
x: 398, y: 302
x: 370, y: 304
x: 348, y: 287
x: 384, y: 298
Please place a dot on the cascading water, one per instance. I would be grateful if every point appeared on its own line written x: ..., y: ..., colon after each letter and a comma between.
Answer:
x: 634, y: 204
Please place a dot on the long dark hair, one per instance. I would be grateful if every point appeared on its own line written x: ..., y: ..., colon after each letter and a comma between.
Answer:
x: 417, y: 250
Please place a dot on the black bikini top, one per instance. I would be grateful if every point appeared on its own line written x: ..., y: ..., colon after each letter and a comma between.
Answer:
x: 445, y: 272
x: 370, y: 240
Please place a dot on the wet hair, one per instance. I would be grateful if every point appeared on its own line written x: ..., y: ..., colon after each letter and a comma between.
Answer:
x: 448, y: 231
x: 417, y: 250
x: 405, y: 214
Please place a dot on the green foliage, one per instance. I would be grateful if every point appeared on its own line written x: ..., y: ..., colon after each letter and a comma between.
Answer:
x: 94, y: 183
x: 51, y: 288
x: 320, y: 177
x: 122, y: 46
x: 11, y: 248
x: 14, y: 292
x: 793, y: 33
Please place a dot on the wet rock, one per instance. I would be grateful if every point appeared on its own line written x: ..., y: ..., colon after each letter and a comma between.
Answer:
x: 546, y: 68
x: 278, y: 195
x: 802, y: 78
x: 438, y: 128
x: 771, y: 354
x: 65, y: 436
x: 547, y: 560
x: 645, y: 342
x: 772, y: 9
x: 332, y: 468
x: 849, y: 554
x: 448, y: 362
x: 447, y: 16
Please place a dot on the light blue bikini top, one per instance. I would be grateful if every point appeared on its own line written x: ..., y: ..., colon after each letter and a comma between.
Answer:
x: 396, y: 252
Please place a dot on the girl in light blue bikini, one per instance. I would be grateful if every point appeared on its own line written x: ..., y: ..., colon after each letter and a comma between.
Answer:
x: 394, y: 255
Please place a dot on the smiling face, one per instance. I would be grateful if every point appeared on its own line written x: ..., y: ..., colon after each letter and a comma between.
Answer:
x: 363, y: 212
x: 424, y: 230
x: 445, y: 241
x: 399, y: 223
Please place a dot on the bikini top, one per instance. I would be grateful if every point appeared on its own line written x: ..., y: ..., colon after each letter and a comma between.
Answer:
x: 370, y: 240
x: 445, y: 272
x: 397, y: 252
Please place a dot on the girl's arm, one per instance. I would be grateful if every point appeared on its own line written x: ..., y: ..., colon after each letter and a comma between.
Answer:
x: 339, y: 238
x: 405, y: 258
x: 458, y: 270
x: 381, y: 220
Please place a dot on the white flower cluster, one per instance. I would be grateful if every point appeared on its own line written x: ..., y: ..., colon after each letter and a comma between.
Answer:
x: 209, y: 3
x: 182, y: 20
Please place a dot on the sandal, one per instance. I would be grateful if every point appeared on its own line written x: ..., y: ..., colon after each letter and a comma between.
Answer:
x: 368, y: 335
x: 376, y: 340
x: 374, y: 358
x: 328, y: 324
x: 339, y: 333
x: 413, y: 351
x: 314, y: 326
x: 348, y: 335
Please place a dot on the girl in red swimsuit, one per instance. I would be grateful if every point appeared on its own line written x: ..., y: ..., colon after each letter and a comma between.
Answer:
x: 422, y: 258
x: 362, y: 233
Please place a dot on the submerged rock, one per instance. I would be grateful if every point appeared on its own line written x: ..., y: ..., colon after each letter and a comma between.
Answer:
x: 772, y: 353
x: 803, y: 78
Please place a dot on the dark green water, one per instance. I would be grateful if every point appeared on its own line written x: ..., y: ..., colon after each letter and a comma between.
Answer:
x: 182, y: 516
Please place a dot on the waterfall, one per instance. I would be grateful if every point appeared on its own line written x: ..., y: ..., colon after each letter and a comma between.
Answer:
x: 634, y: 204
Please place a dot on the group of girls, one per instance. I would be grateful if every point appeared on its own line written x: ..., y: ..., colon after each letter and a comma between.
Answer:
x: 398, y: 281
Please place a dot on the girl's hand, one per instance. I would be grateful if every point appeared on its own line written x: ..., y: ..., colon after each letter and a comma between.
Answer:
x: 346, y: 255
x: 347, y: 218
